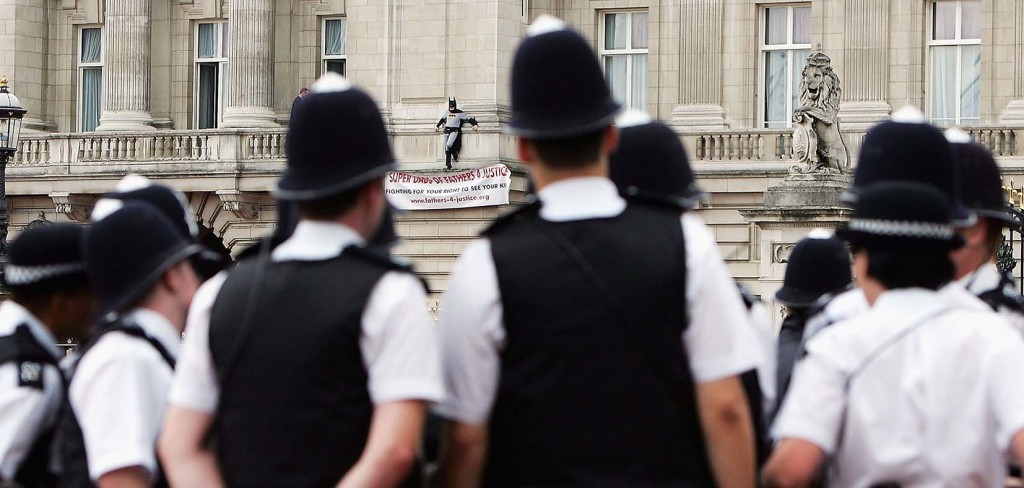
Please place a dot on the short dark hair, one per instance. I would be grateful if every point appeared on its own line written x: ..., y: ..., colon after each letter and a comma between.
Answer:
x: 36, y: 298
x: 909, y: 268
x: 330, y: 207
x: 570, y: 152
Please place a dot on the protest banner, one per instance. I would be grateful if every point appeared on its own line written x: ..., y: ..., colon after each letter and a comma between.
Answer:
x: 470, y: 188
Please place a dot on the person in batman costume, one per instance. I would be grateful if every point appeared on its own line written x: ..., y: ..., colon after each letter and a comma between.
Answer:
x: 452, y: 123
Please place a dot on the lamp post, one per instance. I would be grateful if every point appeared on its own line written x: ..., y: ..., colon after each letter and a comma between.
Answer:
x: 11, y: 114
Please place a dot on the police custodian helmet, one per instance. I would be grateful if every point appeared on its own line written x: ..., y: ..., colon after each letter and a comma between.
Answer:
x: 650, y: 162
x: 336, y: 142
x: 558, y: 87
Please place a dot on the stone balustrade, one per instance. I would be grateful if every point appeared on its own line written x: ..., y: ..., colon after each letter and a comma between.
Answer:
x: 268, y: 145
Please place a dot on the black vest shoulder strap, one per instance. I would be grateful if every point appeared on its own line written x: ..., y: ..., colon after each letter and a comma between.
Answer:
x: 506, y: 220
x: 133, y: 330
x: 22, y: 346
x: 1004, y: 295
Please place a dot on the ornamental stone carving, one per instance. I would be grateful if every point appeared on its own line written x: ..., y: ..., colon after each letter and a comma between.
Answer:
x: 817, y: 141
x: 243, y: 205
x: 76, y: 207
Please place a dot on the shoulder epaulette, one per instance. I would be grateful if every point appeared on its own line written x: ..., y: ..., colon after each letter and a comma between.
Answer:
x: 527, y: 209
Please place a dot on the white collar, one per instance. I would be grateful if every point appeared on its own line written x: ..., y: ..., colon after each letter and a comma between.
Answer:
x: 589, y: 197
x: 158, y: 327
x: 908, y: 302
x: 15, y: 315
x: 983, y: 279
x: 315, y: 240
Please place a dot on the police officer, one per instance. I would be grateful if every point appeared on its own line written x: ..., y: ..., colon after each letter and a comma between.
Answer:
x: 582, y: 299
x: 817, y: 268
x: 452, y: 123
x: 650, y: 163
x: 917, y: 391
x: 325, y: 345
x: 139, y: 266
x: 50, y: 298
x: 982, y: 192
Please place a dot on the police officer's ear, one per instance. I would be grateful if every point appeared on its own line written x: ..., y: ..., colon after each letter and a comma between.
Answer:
x: 611, y: 140
x: 527, y: 151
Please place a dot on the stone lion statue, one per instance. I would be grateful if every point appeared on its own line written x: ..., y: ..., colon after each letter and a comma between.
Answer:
x: 820, y: 95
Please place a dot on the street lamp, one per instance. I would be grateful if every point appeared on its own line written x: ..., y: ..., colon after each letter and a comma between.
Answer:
x: 11, y: 113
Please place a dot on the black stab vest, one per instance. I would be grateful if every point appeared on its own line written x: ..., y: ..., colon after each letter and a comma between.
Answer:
x: 69, y: 444
x: 294, y: 407
x: 20, y: 348
x: 580, y: 401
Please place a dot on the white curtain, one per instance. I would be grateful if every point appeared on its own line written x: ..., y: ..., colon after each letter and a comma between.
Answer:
x: 943, y: 97
x: 334, y: 37
x: 775, y: 78
x: 970, y: 79
x: 801, y: 25
x: 775, y: 25
x: 799, y: 62
x: 944, y: 21
x: 970, y: 23
x: 639, y: 30
x: 639, y: 85
x: 92, y: 93
x: 91, y: 45
x: 207, y: 41
x: 615, y: 31
x: 615, y: 71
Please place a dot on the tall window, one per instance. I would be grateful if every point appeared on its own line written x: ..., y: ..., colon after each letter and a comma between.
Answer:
x: 211, y: 73
x: 624, y: 55
x: 955, y: 56
x: 333, y: 53
x: 785, y: 45
x: 90, y: 78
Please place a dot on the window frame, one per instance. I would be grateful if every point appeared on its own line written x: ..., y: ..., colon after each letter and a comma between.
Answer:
x: 324, y: 57
x: 221, y: 60
x: 81, y: 67
x: 959, y: 42
x: 628, y: 52
x: 763, y: 47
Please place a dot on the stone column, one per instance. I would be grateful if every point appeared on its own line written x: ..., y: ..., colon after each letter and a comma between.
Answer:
x: 126, y: 69
x: 866, y: 63
x: 250, y: 97
x: 1014, y: 112
x: 700, y: 66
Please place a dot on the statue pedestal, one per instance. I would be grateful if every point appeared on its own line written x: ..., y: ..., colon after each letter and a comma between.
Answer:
x: 801, y: 203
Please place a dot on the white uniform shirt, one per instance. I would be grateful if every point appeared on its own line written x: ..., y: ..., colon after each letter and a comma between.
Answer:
x: 764, y: 334
x: 936, y: 409
x: 399, y: 343
x: 718, y: 341
x: 25, y: 411
x: 119, y: 393
x: 987, y: 278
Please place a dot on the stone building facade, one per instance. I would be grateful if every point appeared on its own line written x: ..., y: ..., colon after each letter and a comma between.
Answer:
x: 196, y: 93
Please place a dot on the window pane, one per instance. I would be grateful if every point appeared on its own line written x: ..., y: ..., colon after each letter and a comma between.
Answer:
x: 91, y: 45
x: 615, y: 71
x: 615, y: 28
x: 970, y: 23
x: 225, y: 39
x: 92, y: 92
x: 943, y: 85
x: 335, y: 66
x: 944, y: 20
x: 639, y: 86
x: 775, y: 25
x: 970, y: 82
x: 775, y: 78
x: 207, y: 41
x: 799, y: 62
x: 334, y: 37
x: 640, y: 30
x: 802, y: 25
x: 208, y: 99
